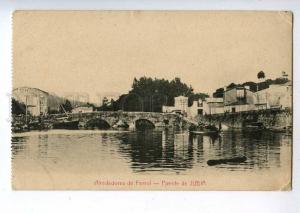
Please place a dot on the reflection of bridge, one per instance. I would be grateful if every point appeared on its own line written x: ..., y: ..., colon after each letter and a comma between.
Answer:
x: 110, y: 118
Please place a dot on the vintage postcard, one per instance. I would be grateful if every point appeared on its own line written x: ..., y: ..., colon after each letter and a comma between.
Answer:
x: 152, y: 100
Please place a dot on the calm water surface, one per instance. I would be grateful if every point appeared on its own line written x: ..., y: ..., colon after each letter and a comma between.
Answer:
x: 148, y: 152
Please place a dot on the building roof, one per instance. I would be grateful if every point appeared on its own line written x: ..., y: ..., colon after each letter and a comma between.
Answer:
x: 289, y: 83
x: 246, y: 87
x: 30, y: 89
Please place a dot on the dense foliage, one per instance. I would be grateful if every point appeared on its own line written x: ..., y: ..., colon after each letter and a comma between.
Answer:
x: 150, y: 95
x: 66, y: 107
x: 261, y: 74
x: 17, y: 108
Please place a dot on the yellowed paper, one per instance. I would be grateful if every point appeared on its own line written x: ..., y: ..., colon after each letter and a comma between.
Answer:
x: 152, y: 100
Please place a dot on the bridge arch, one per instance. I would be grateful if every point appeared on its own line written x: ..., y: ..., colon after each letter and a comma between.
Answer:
x: 142, y: 124
x: 97, y: 123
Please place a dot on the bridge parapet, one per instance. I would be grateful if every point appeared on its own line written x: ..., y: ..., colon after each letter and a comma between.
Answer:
x: 113, y: 117
x: 108, y: 119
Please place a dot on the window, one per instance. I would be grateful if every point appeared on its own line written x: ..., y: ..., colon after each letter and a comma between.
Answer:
x: 233, y: 109
x: 240, y: 93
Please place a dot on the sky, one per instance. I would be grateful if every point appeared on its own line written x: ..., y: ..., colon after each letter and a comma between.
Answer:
x: 93, y: 52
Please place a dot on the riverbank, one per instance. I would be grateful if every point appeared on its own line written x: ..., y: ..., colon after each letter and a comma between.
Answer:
x: 271, y: 119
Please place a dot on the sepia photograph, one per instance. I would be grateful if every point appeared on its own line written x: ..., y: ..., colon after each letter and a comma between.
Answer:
x: 152, y: 100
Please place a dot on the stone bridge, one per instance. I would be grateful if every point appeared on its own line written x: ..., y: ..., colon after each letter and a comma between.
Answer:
x: 112, y: 118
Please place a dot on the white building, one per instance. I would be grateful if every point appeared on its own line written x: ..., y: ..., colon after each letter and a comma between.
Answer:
x: 82, y: 109
x: 196, y: 108
x: 213, y: 106
x: 181, y: 106
x: 35, y: 100
x: 239, y: 99
x: 181, y: 103
x: 276, y: 96
x: 168, y: 109
x: 206, y: 107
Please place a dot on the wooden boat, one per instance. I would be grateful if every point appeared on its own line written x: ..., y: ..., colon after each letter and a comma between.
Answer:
x: 286, y: 129
x: 66, y: 124
x: 204, y: 130
x: 254, y: 126
x: 227, y: 160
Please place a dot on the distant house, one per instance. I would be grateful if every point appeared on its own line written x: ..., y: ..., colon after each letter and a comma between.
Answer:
x: 196, y: 108
x: 213, y: 106
x: 83, y: 109
x: 276, y: 96
x: 181, y: 103
x: 36, y: 101
x: 168, y: 109
x: 239, y: 99
x: 180, y: 106
x: 208, y: 106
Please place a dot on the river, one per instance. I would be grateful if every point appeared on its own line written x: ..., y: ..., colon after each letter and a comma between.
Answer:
x: 75, y: 159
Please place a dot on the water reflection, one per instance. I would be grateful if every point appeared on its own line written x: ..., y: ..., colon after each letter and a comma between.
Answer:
x: 150, y: 151
x: 159, y: 151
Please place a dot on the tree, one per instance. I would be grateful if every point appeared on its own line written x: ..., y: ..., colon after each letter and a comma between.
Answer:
x: 67, y: 106
x: 261, y: 75
x: 131, y: 102
x: 17, y: 108
x: 231, y: 86
x: 196, y: 97
x: 148, y: 94
x: 252, y: 85
x: 219, y: 93
x: 88, y: 104
x: 104, y: 106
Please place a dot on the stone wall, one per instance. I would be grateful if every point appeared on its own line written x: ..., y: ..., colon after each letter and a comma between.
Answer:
x: 270, y: 118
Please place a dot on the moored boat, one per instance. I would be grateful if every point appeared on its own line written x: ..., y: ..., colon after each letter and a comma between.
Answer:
x: 234, y: 160
x: 64, y: 123
x: 286, y: 129
x: 204, y: 130
x: 254, y: 126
